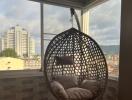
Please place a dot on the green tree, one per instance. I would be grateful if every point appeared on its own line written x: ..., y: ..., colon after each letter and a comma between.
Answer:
x: 8, y: 53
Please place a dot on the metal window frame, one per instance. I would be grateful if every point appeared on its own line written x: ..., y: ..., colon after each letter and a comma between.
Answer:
x: 42, y: 34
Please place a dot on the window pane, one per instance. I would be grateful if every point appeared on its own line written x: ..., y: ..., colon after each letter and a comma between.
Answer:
x: 20, y: 35
x: 56, y: 20
x: 105, y: 29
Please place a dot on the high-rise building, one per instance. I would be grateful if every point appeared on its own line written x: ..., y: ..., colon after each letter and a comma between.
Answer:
x: 1, y: 44
x: 18, y: 39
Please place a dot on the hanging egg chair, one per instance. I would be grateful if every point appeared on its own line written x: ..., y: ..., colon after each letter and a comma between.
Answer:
x: 75, y: 66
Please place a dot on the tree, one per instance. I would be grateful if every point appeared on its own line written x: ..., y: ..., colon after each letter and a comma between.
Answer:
x: 8, y: 53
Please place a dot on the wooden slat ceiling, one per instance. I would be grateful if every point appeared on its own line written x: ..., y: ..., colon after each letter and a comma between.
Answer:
x: 79, y: 4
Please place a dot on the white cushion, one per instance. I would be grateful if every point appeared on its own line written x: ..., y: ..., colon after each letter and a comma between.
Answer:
x: 59, y: 90
x: 79, y: 94
x: 67, y: 81
x: 91, y: 85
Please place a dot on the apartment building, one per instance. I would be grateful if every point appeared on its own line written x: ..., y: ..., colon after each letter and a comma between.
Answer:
x: 18, y: 39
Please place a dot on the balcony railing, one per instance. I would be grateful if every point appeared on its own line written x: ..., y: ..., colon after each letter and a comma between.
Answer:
x: 30, y: 85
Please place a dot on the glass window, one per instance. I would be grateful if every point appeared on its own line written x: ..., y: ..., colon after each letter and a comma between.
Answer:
x: 105, y: 29
x: 56, y: 20
x: 20, y: 47
x: 19, y: 35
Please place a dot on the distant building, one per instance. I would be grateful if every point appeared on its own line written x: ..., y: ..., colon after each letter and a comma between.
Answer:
x: 32, y: 63
x: 1, y: 44
x: 18, y: 39
x: 8, y: 63
x: 113, y: 64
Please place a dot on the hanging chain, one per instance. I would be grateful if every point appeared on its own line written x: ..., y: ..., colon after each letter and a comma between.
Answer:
x: 72, y: 13
x: 72, y: 21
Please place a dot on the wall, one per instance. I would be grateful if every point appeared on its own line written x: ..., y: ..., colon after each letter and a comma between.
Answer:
x: 125, y: 86
x: 112, y: 90
x: 22, y: 86
x: 31, y: 86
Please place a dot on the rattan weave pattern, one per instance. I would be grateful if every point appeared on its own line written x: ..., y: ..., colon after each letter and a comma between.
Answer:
x: 89, y: 60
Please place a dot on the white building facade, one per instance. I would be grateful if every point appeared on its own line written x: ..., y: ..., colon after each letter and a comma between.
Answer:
x: 20, y: 40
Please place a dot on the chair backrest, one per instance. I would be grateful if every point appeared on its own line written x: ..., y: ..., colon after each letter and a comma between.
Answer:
x: 73, y: 53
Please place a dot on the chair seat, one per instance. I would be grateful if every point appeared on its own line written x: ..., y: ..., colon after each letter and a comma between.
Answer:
x: 79, y: 94
x: 74, y: 93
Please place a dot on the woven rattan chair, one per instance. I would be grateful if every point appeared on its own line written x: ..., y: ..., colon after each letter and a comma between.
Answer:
x: 75, y: 67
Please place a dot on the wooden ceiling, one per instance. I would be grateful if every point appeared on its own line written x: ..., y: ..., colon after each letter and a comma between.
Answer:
x: 78, y: 4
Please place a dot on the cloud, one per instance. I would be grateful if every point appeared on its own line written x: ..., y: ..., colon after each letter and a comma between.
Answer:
x: 104, y: 19
x: 19, y: 9
x: 105, y: 22
x: 23, y: 12
x: 57, y: 19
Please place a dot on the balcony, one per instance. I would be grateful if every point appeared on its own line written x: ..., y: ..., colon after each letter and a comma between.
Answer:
x: 30, y: 85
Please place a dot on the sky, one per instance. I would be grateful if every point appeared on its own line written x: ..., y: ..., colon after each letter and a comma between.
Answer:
x: 105, y: 23
x: 104, y: 20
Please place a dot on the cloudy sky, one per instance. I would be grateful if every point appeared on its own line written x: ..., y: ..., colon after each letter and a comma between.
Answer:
x: 105, y: 22
x: 104, y: 19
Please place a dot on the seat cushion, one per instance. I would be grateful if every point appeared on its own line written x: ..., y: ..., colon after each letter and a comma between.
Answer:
x: 91, y: 85
x: 67, y: 81
x: 79, y: 94
x: 59, y: 90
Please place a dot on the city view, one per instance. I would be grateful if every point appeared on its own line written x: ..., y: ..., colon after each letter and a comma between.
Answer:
x: 112, y: 57
x: 17, y: 52
x: 20, y: 32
